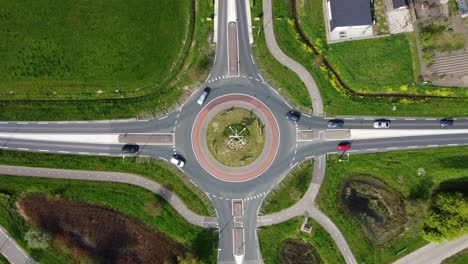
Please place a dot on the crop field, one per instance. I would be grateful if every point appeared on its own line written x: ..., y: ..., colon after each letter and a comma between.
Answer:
x: 143, y: 206
x: 90, y: 49
x: 392, y: 199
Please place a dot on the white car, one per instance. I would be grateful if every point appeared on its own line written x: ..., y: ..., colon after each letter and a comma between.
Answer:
x: 381, y: 124
x: 177, y: 160
x: 203, y: 96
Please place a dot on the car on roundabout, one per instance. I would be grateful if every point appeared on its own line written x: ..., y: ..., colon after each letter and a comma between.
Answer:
x: 203, y: 95
x: 293, y: 115
x: 177, y: 160
x: 344, y: 146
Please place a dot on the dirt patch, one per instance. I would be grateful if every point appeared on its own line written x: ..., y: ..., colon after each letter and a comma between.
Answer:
x: 379, y: 209
x: 99, y: 233
x: 297, y: 251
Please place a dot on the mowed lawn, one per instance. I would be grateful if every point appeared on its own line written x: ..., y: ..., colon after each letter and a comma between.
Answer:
x: 398, y: 170
x: 89, y: 48
x: 365, y: 65
x: 371, y: 65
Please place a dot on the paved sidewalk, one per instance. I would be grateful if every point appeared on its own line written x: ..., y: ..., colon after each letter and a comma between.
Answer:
x: 307, y: 206
x: 170, y: 197
x: 11, y: 250
x: 280, y: 56
x: 435, y: 253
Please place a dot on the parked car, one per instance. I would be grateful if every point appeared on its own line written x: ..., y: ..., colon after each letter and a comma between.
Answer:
x: 344, y: 146
x: 203, y: 95
x: 335, y: 123
x: 293, y: 115
x: 177, y: 160
x: 446, y: 122
x: 130, y: 148
x: 383, y: 123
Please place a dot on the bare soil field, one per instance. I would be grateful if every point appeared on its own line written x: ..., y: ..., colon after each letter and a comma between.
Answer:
x: 297, y: 251
x: 378, y: 208
x: 99, y: 234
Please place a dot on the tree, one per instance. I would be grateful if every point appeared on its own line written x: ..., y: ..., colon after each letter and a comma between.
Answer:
x: 36, y: 238
x: 449, y: 219
x: 188, y: 259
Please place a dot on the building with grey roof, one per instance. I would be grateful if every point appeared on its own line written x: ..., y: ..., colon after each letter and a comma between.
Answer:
x: 349, y: 19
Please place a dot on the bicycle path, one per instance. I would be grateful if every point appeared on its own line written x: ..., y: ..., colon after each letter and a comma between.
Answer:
x: 280, y: 56
x: 307, y: 206
x: 116, y: 177
x: 11, y: 250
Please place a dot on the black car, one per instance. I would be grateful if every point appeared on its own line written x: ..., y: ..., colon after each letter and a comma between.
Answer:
x: 446, y: 122
x: 335, y: 123
x: 293, y: 115
x: 130, y: 148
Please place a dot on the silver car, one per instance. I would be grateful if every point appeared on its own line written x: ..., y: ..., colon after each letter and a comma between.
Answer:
x: 381, y: 123
x: 203, y: 96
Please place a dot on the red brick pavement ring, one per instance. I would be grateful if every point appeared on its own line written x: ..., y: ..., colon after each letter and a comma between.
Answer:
x: 235, y: 174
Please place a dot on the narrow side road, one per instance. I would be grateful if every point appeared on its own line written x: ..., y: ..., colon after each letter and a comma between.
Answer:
x: 304, y: 75
x: 307, y: 206
x: 12, y: 251
x: 116, y: 177
x: 434, y: 253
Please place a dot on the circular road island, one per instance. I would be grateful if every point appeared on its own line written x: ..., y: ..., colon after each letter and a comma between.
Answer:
x: 235, y: 137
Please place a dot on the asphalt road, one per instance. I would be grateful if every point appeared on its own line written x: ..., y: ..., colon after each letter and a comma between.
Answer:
x: 290, y: 151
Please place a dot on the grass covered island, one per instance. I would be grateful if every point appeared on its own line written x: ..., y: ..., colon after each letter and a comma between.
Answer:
x: 235, y: 137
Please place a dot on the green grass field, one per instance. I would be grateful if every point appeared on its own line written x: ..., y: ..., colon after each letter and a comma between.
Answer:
x: 3, y: 260
x: 193, y: 72
x: 290, y: 190
x: 272, y: 237
x: 130, y: 200
x: 336, y: 101
x: 440, y: 164
x: 150, y: 168
x: 77, y: 48
x: 289, y: 85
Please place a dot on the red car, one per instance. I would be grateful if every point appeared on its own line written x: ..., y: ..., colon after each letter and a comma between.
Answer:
x: 344, y: 146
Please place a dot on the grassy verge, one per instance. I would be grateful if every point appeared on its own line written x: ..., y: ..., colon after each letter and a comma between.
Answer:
x: 130, y: 200
x: 193, y: 72
x: 3, y: 260
x: 460, y: 258
x: 399, y: 170
x: 271, y: 239
x: 336, y: 100
x: 289, y: 85
x: 94, y: 50
x: 290, y: 190
x: 150, y: 168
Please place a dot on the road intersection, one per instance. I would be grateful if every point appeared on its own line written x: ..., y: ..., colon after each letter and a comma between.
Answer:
x: 223, y: 82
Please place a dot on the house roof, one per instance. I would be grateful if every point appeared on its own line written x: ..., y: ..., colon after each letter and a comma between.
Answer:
x: 350, y: 13
x: 399, y: 3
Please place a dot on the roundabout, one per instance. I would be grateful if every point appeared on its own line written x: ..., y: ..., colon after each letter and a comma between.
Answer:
x: 235, y: 137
